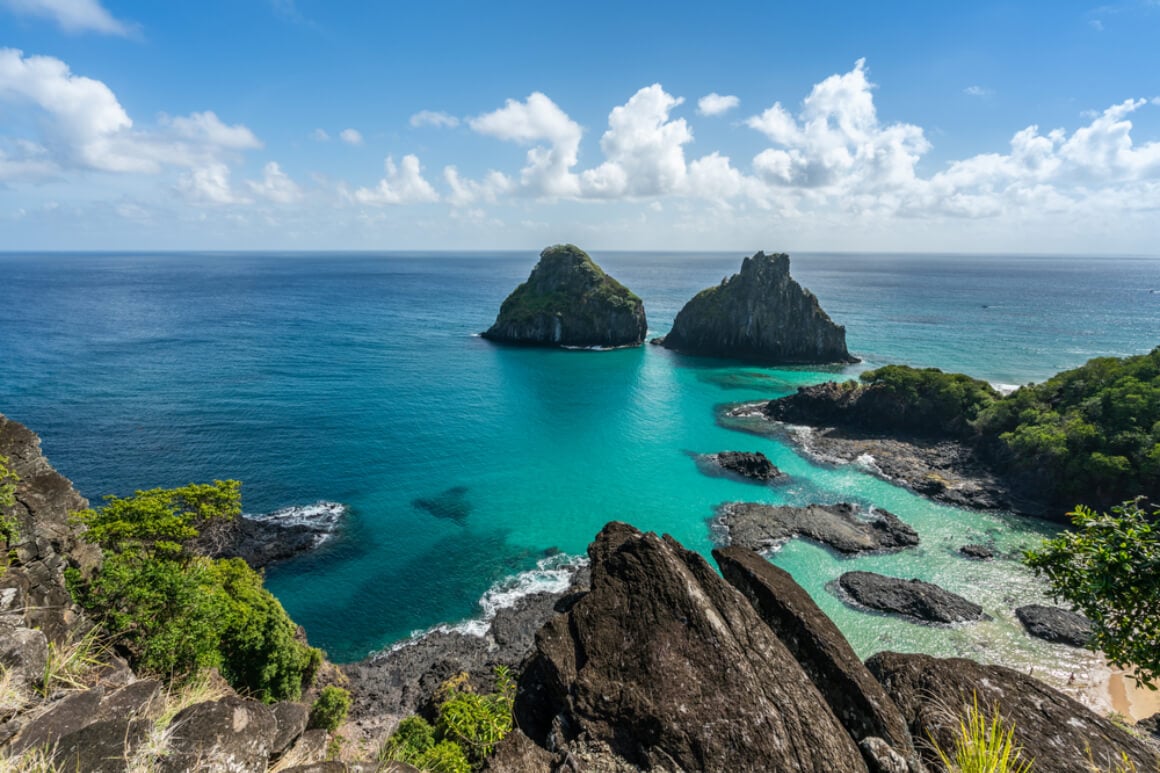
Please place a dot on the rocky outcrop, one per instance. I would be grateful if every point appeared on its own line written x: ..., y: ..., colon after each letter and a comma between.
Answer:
x: 843, y: 527
x: 46, y: 542
x: 663, y: 666
x: 922, y: 601
x: 750, y: 465
x: 404, y: 679
x: 261, y: 540
x: 1058, y: 733
x: 759, y: 314
x: 1057, y: 625
x: 855, y: 697
x: 977, y: 552
x: 569, y: 301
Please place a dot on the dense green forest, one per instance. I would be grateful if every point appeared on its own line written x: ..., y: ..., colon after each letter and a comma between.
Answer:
x: 1089, y: 435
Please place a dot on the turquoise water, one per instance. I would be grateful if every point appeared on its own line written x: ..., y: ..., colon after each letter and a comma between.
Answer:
x: 359, y: 378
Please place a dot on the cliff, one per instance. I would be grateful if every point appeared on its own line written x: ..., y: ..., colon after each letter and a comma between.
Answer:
x: 568, y: 300
x: 759, y: 314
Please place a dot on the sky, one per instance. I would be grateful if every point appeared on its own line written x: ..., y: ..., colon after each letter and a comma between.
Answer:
x: 1020, y: 127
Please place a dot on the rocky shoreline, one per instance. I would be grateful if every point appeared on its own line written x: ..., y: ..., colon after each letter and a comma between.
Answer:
x: 946, y: 471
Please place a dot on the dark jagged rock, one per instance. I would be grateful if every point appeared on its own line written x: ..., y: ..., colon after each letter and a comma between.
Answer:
x: 1057, y: 625
x: 292, y: 719
x: 922, y: 601
x: 1055, y: 731
x: 854, y: 696
x: 261, y: 540
x: 760, y: 527
x: 47, y: 542
x: 23, y: 653
x: 754, y: 466
x: 233, y: 733
x: 65, y: 717
x: 102, y: 746
x: 664, y: 666
x: 569, y: 301
x: 760, y: 314
x: 404, y: 679
x: 977, y: 552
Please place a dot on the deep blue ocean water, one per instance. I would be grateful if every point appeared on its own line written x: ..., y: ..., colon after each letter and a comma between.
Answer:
x: 359, y: 378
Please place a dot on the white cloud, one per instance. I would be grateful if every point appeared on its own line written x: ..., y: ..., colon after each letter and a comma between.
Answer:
x: 320, y: 135
x: 465, y: 192
x: 538, y: 119
x: 209, y: 184
x: 208, y: 128
x: 434, y: 118
x: 644, y: 148
x: 351, y: 136
x: 403, y: 184
x: 716, y: 104
x: 73, y: 16
x: 977, y: 91
x: 837, y: 140
x: 276, y: 186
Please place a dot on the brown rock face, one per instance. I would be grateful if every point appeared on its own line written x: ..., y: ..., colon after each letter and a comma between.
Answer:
x: 761, y: 314
x: 664, y: 666
x: 46, y: 542
x: 1055, y: 731
x: 855, y: 697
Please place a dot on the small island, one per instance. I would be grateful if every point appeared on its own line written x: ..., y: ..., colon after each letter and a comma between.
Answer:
x: 568, y: 301
x: 759, y: 314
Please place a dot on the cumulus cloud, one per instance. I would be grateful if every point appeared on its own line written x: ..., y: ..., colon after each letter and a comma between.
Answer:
x: 836, y: 140
x: 275, y: 186
x: 434, y: 118
x: 351, y: 136
x: 536, y: 121
x: 72, y: 16
x: 84, y: 127
x: 402, y: 184
x: 465, y: 192
x: 644, y: 149
x: 716, y: 104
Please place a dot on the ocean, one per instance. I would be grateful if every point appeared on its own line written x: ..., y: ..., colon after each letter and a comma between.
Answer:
x: 470, y: 470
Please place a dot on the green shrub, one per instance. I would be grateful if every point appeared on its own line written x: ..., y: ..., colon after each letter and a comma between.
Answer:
x: 982, y: 745
x: 178, y: 612
x: 330, y: 708
x: 8, y: 481
x: 468, y: 727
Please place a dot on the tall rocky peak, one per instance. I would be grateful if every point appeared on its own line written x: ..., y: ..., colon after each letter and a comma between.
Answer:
x: 569, y: 301
x: 760, y: 314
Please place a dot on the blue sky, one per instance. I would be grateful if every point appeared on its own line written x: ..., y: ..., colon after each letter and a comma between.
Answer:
x: 303, y: 124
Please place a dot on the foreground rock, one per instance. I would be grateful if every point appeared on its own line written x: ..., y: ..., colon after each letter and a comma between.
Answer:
x: 762, y: 314
x: 922, y: 601
x: 753, y: 466
x: 1058, y: 733
x: 663, y: 665
x: 569, y: 301
x: 977, y: 552
x: 1057, y: 625
x: 761, y: 527
x: 855, y: 697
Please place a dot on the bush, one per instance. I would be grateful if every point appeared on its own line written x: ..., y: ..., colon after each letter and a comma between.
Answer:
x: 1108, y: 568
x: 983, y: 745
x: 330, y: 708
x: 8, y: 481
x: 468, y: 727
x: 177, y: 612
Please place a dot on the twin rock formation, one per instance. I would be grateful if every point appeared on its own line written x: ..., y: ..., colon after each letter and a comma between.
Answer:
x: 759, y: 314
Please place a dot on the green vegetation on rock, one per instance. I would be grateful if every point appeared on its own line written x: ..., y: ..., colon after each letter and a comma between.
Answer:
x: 467, y: 728
x: 8, y: 481
x: 176, y: 611
x: 1090, y: 435
x: 949, y: 400
x: 330, y: 708
x: 1108, y: 567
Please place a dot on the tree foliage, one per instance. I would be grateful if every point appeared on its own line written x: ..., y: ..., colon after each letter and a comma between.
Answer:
x: 176, y: 611
x: 330, y: 708
x: 8, y: 481
x: 1108, y: 568
x: 948, y: 402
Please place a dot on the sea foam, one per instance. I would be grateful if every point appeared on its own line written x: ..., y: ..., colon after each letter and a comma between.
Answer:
x: 323, y: 518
